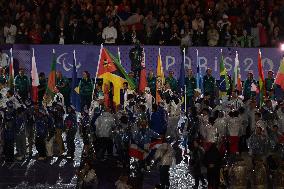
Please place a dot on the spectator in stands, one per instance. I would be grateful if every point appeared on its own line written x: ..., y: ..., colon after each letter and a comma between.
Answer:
x: 212, y: 34
x: 124, y: 37
x: 109, y: 33
x: 275, y: 38
x: 245, y: 40
x: 224, y: 21
x: 175, y: 35
x: 73, y: 32
x: 10, y: 32
x: 198, y: 22
x: 186, y: 37
x: 198, y: 37
x: 98, y: 33
x: 22, y: 34
x: 35, y: 34
x: 149, y: 36
x: 162, y: 34
x: 88, y: 32
x: 48, y: 35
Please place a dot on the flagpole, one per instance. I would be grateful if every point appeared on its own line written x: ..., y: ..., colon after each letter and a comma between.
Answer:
x: 118, y: 52
x: 183, y: 64
x: 197, y: 65
x: 97, y: 71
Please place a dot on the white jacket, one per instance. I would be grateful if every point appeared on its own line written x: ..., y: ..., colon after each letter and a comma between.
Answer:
x: 10, y: 34
x: 234, y: 126
x: 165, y: 153
x: 104, y: 124
x: 220, y: 125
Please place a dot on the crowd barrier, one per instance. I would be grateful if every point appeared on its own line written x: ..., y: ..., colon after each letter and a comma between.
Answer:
x: 172, y: 57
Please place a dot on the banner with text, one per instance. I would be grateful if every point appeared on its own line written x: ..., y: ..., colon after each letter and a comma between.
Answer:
x: 209, y: 57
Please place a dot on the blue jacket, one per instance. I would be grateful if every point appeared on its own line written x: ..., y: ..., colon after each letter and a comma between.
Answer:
x: 158, y: 122
x: 41, y: 127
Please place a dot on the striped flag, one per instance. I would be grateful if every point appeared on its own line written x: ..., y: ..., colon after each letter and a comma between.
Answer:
x: 237, y: 74
x: 11, y: 71
x: 143, y: 77
x: 261, y: 80
x: 160, y: 77
x: 51, y: 78
x: 280, y: 75
x: 75, y: 100
x: 224, y: 84
x: 35, y: 80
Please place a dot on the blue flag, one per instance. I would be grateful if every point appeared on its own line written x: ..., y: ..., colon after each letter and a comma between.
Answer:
x: 181, y: 80
x: 199, y: 82
x: 75, y: 100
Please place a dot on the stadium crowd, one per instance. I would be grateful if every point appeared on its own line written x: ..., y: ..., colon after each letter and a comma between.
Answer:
x: 249, y: 23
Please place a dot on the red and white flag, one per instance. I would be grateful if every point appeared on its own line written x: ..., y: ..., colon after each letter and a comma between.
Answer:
x: 35, y: 80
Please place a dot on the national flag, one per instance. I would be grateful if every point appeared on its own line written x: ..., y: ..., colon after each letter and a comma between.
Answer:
x: 160, y: 77
x: 224, y: 83
x: 143, y: 77
x: 129, y: 19
x: 35, y: 80
x: 254, y: 88
x: 75, y: 100
x: 11, y: 71
x: 199, y: 82
x: 280, y: 75
x: 181, y: 81
x: 111, y: 71
x: 261, y: 80
x: 237, y: 74
x: 136, y: 152
x: 51, y: 78
x: 122, y: 70
x: 148, y: 149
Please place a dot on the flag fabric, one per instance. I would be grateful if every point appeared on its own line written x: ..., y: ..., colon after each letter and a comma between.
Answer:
x: 111, y: 71
x: 11, y: 71
x: 224, y: 83
x: 143, y: 77
x: 237, y: 74
x: 117, y: 62
x: 136, y: 152
x: 261, y: 80
x: 148, y: 149
x: 51, y: 78
x: 199, y: 82
x: 181, y: 81
x: 35, y: 80
x: 75, y: 100
x: 280, y: 75
x: 160, y: 78
x: 254, y: 88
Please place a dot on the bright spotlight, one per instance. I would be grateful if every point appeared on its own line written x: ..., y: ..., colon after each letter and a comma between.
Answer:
x: 282, y: 46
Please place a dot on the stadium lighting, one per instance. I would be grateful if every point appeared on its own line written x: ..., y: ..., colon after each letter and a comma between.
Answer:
x: 282, y: 47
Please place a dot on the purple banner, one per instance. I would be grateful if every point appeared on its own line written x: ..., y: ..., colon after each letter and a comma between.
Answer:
x: 87, y: 58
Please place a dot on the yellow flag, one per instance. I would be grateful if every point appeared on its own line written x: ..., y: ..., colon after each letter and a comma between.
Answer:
x: 77, y: 90
x: 160, y: 78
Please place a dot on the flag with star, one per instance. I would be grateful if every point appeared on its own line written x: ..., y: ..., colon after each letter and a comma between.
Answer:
x: 113, y: 74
